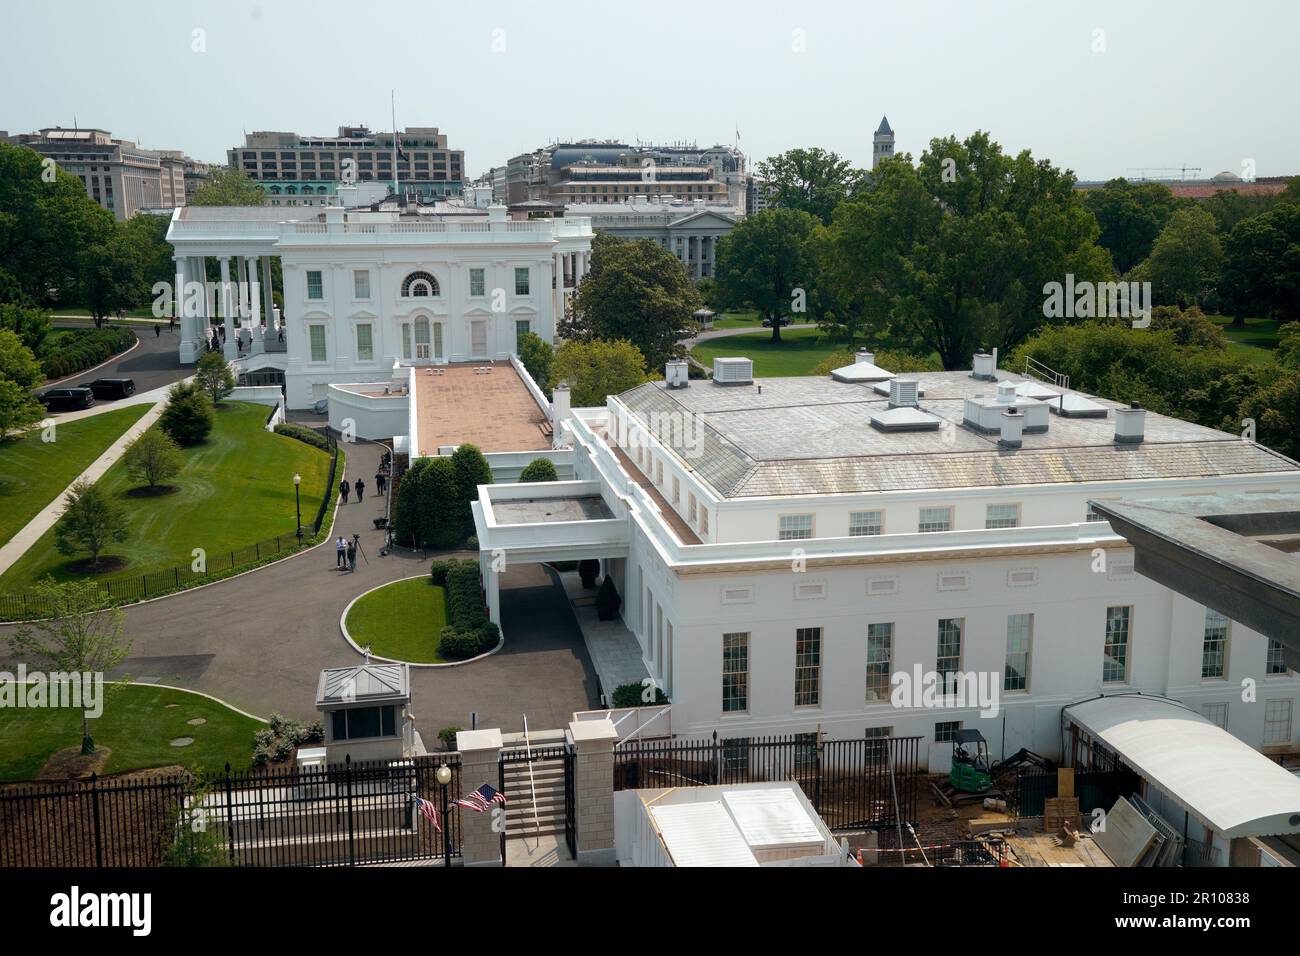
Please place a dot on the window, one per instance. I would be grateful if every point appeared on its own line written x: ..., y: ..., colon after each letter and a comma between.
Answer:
x: 365, y: 343
x: 362, y: 722
x: 735, y: 758
x: 315, y: 286
x: 1216, y: 714
x: 1277, y: 722
x: 735, y: 673
x: 935, y: 519
x: 862, y: 523
x: 880, y: 652
x: 877, y: 749
x: 805, y: 751
x: 659, y: 471
x: 704, y: 521
x: 477, y: 282
x: 421, y: 285
x: 1274, y: 663
x: 677, y: 489
x: 1002, y: 516
x: 807, y: 666
x: 948, y: 652
x: 316, y: 335
x: 1093, y: 516
x: 1020, y: 636
x: 361, y: 284
x: 690, y: 507
x: 522, y: 327
x: 1214, y: 652
x: 945, y: 730
x: 1114, y: 668
x: 521, y: 280
x: 795, y: 527
x: 406, y: 341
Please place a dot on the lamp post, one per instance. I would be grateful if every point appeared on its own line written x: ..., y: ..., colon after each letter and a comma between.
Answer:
x: 443, y: 776
x: 297, y: 503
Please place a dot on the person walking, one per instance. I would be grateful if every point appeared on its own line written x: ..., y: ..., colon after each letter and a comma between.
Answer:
x: 360, y: 486
x: 344, y: 488
x: 379, y: 482
x: 157, y: 330
x: 340, y: 552
x: 352, y: 555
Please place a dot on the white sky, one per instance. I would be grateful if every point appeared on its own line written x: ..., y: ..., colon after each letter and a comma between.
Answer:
x: 1195, y: 83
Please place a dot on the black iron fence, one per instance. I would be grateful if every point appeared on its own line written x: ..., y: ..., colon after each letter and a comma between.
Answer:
x: 853, y: 784
x: 1094, y: 788
x: 343, y: 815
x: 216, y: 564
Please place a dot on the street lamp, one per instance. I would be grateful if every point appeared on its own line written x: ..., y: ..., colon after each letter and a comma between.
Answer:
x: 443, y: 776
x: 297, y: 503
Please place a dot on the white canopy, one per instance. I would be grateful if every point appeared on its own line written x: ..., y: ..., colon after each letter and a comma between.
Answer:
x: 1227, y: 784
x: 701, y: 834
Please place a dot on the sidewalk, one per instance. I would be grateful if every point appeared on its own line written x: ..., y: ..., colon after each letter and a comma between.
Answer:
x: 615, y: 651
x: 154, y: 396
x: 17, y: 546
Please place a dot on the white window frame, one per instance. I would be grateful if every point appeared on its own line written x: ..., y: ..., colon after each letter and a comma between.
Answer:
x: 370, y: 330
x: 1277, y: 722
x: 1214, y: 646
x: 787, y: 531
x: 1018, y: 626
x: 479, y: 273
x: 359, y: 275
x: 857, y: 526
x: 926, y: 517
x: 879, y: 666
x: 739, y: 675
x: 311, y: 343
x: 320, y: 279
x: 809, y: 669
x: 1127, y: 644
x: 991, y: 522
x: 528, y: 280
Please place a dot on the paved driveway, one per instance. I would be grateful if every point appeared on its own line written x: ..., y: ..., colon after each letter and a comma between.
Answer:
x: 153, y: 364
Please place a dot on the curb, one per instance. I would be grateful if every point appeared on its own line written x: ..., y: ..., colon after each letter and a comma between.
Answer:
x: 343, y: 629
x: 107, y: 361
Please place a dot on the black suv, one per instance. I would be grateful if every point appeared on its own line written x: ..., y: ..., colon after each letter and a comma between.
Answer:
x: 113, y: 387
x: 68, y: 399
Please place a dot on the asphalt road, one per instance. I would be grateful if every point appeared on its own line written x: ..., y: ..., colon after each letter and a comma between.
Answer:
x: 154, y: 363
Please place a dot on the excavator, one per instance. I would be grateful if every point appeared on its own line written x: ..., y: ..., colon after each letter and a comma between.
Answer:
x: 971, y: 771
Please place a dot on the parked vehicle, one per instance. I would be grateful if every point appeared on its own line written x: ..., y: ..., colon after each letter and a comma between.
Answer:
x: 67, y: 399
x: 783, y: 322
x: 111, y: 388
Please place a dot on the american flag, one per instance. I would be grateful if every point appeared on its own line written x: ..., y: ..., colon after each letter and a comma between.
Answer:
x: 429, y: 812
x: 480, y: 799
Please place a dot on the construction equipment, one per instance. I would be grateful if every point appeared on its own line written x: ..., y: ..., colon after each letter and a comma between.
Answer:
x: 970, y: 771
x: 1020, y: 758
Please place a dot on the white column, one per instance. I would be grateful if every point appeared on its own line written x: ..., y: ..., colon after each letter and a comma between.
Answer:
x: 268, y: 297
x: 198, y: 270
x: 227, y: 310
x: 254, y: 305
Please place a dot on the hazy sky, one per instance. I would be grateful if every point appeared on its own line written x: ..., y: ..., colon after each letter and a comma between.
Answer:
x: 1195, y: 83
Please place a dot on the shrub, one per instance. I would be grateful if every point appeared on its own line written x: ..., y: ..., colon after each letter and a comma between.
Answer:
x: 588, y: 570
x: 406, y: 517
x: 448, y: 737
x: 539, y: 469
x: 630, y: 695
x: 153, y: 457
x: 439, y: 570
x: 471, y: 470
x: 471, y: 543
x: 489, y: 636
x: 607, y: 600
x: 68, y: 351
x: 465, y: 597
x: 303, y: 434
x: 189, y: 415
x: 440, y: 522
x: 455, y: 645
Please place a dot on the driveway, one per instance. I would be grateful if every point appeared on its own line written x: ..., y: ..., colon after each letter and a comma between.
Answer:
x: 154, y: 363
x: 259, y: 641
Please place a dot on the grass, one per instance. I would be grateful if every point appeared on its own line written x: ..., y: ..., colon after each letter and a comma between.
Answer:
x: 137, y: 725
x: 33, y: 472
x: 233, y: 490
x: 402, y: 620
x: 737, y: 320
x: 798, y: 352
x: 1254, y: 342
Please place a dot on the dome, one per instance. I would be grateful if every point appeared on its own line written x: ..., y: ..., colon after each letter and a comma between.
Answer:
x: 1226, y: 177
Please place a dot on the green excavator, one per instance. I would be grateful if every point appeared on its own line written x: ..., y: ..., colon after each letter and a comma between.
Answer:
x: 970, y: 771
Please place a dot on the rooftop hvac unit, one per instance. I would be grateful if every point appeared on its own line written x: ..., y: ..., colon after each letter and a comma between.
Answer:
x: 903, y: 392
x: 677, y: 374
x: 984, y: 367
x: 733, y: 371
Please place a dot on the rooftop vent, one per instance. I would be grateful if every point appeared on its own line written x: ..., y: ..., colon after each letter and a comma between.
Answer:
x: 863, y: 356
x: 1013, y: 426
x: 984, y: 367
x: 733, y: 371
x: 1130, y: 424
x: 677, y: 374
x: 903, y: 393
x: 1006, y: 393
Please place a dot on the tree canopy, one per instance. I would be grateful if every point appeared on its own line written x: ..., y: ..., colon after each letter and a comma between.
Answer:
x: 812, y: 180
x: 596, y: 369
x: 228, y: 186
x: 768, y: 262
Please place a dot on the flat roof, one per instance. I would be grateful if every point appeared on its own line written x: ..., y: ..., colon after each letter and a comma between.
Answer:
x: 543, y: 510
x: 1225, y: 782
x: 812, y: 435
x: 459, y: 404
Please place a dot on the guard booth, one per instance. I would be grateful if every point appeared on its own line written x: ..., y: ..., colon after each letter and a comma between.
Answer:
x: 366, y: 710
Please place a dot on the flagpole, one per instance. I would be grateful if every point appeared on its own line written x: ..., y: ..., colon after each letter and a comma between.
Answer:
x: 392, y: 101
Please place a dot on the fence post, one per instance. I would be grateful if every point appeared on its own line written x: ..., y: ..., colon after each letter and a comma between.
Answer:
x: 352, y: 844
x: 480, y: 761
x: 230, y: 815
x: 593, y: 790
x: 99, y: 836
x: 717, y: 759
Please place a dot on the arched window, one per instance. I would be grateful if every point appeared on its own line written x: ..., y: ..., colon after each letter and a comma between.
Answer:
x: 275, y: 190
x: 420, y: 285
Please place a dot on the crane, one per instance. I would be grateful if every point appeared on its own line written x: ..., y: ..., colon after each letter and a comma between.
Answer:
x: 1181, y: 170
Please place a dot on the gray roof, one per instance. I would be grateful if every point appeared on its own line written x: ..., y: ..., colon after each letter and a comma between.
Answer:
x: 250, y: 213
x: 884, y: 126
x: 812, y: 435
x: 363, y: 684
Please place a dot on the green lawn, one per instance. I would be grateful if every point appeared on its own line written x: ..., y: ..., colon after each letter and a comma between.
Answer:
x: 33, y: 472
x: 798, y: 353
x: 233, y: 490
x: 737, y: 320
x: 1253, y: 343
x: 137, y: 725
x: 402, y: 620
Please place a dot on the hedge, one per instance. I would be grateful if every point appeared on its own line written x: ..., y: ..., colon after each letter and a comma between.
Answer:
x: 68, y: 351
x: 303, y: 434
x: 469, y: 632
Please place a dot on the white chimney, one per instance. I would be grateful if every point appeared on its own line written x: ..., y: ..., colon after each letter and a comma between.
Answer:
x: 903, y: 392
x: 1013, y: 426
x: 983, y: 367
x: 559, y: 406
x: 496, y: 213
x: 1130, y: 424
x: 1006, y: 393
x: 863, y: 357
x: 677, y: 374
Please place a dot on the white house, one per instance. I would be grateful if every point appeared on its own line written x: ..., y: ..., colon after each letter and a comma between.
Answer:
x: 371, y: 291
x: 792, y: 551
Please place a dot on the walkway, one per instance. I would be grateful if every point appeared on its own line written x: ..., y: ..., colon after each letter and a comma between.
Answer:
x: 615, y: 651
x: 742, y: 330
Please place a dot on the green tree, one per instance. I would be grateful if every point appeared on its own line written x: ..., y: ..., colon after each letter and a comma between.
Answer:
x: 953, y: 255
x: 1261, y: 266
x: 406, y: 517
x: 111, y: 276
x: 539, y: 469
x: 1287, y: 353
x: 20, y: 411
x: 82, y: 634
x: 91, y: 521
x: 1229, y: 207
x: 1130, y: 215
x: 813, y: 180
x: 536, y: 354
x: 596, y: 369
x: 148, y: 234
x: 441, y: 519
x: 768, y: 263
x: 228, y: 186
x: 214, y: 376
x: 1190, y: 326
x: 638, y: 291
x: 1276, y: 411
x: 17, y: 362
x: 189, y: 415
x: 31, y: 324
x: 153, y: 457
x: 472, y: 470
x: 1185, y: 260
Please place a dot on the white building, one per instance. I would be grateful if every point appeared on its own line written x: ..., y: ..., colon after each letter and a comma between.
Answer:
x: 367, y: 294
x: 785, y: 547
x: 689, y: 230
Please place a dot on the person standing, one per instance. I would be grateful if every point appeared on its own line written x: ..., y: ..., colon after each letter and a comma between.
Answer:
x: 344, y: 488
x: 360, y: 487
x: 379, y: 482
x: 352, y: 555
x: 340, y: 552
